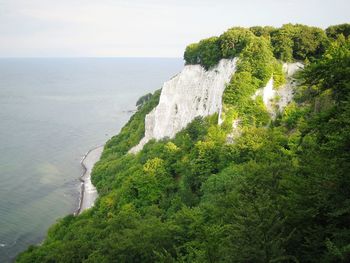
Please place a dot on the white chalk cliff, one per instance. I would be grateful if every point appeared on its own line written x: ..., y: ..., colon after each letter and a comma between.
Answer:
x: 197, y: 92
x: 284, y: 93
x: 191, y: 93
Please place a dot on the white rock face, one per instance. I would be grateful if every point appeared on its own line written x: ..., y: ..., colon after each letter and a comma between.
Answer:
x: 193, y: 92
x: 291, y: 68
x: 285, y: 93
x: 267, y: 93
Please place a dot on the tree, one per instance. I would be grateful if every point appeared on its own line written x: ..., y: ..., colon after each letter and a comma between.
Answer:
x: 334, y: 31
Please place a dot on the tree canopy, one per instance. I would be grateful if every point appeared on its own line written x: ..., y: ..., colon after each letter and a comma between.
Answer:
x: 290, y: 42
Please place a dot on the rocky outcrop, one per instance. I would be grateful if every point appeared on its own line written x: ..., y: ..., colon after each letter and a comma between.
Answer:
x: 276, y: 100
x: 191, y: 93
x: 198, y: 92
x: 286, y: 92
x: 268, y: 94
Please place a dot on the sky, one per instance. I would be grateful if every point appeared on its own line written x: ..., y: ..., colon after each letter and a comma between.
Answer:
x: 140, y: 28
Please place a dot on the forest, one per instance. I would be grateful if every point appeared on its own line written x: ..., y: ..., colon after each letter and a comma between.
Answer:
x: 280, y: 192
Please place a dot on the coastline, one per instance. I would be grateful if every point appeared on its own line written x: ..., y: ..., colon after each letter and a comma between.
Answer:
x: 88, y: 192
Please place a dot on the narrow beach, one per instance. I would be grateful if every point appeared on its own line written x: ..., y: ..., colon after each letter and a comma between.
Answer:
x: 88, y: 190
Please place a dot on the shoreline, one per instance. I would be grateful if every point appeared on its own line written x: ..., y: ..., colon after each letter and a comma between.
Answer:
x: 88, y: 192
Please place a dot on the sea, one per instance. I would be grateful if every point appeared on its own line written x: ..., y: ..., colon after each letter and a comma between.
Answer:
x: 52, y: 111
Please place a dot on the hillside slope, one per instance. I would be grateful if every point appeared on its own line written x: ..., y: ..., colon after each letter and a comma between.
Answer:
x: 251, y: 188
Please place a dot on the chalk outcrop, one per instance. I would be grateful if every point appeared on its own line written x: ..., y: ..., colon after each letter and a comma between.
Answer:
x: 268, y: 94
x: 284, y: 94
x: 191, y: 93
x: 197, y: 92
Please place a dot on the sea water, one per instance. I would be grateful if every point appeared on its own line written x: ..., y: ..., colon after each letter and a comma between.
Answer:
x: 52, y: 111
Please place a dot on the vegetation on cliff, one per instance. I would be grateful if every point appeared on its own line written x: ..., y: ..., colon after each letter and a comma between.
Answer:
x: 288, y: 43
x: 278, y: 193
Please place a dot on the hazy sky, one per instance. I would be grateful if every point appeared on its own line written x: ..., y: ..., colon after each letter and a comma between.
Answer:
x: 152, y: 28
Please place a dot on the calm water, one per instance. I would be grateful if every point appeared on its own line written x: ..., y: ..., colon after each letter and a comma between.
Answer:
x: 52, y: 111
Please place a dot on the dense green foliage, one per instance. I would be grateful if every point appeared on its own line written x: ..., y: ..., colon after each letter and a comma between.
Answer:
x: 279, y: 193
x: 298, y: 42
x: 142, y: 100
x: 335, y: 31
x: 290, y: 42
x: 206, y: 52
x: 256, y: 65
